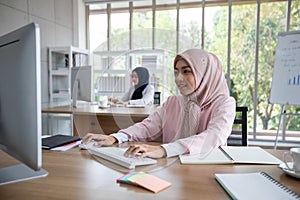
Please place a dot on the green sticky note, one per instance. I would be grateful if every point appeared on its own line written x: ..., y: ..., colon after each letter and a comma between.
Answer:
x: 136, y: 176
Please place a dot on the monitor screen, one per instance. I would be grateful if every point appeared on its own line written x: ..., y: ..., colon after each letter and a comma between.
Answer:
x: 20, y: 103
x: 81, y: 83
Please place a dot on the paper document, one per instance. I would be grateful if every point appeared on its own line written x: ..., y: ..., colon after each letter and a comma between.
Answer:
x: 67, y: 146
x: 135, y: 106
x: 217, y: 156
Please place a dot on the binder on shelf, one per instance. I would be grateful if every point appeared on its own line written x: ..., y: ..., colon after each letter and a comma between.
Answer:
x: 232, y: 155
x: 257, y: 185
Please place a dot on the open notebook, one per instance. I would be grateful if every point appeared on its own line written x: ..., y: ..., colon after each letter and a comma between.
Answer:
x: 230, y: 155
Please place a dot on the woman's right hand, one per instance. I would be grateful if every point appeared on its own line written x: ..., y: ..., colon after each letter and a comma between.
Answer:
x: 114, y: 100
x: 100, y: 139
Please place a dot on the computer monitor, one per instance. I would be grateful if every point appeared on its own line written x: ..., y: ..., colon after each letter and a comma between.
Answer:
x: 81, y: 83
x: 20, y: 103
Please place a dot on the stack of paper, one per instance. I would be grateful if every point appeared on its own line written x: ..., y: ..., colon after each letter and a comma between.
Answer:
x: 144, y: 180
x: 67, y: 146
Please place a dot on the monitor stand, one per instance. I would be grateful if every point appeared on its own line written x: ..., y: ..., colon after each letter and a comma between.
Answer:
x: 20, y: 172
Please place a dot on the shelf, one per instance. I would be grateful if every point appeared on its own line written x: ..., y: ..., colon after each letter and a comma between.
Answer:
x: 66, y: 50
x: 61, y: 95
x: 132, y: 52
x: 61, y: 60
x: 64, y: 72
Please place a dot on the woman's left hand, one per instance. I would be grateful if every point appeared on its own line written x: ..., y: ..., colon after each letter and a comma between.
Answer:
x: 122, y: 102
x: 143, y: 150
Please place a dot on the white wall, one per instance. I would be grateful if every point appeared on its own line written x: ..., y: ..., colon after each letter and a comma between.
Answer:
x: 62, y: 23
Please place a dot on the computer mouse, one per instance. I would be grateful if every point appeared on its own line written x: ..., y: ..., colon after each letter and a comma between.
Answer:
x: 87, y: 146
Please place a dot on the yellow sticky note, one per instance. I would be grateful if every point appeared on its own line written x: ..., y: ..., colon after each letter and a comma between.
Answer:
x: 136, y: 176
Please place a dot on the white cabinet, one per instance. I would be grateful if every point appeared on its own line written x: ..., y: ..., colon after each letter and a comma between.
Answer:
x: 60, y: 62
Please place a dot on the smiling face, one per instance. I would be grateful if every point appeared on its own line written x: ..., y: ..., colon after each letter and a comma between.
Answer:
x: 184, y: 77
x: 134, y: 78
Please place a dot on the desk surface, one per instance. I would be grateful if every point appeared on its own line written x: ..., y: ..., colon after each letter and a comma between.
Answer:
x: 87, y: 108
x: 89, y: 118
x: 75, y: 174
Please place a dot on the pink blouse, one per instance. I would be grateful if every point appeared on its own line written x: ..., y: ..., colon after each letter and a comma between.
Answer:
x: 215, y: 125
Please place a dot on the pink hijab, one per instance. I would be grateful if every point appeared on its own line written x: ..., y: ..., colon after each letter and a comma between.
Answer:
x: 211, y: 86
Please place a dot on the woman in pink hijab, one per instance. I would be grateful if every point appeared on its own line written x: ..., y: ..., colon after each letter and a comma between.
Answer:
x: 197, y: 121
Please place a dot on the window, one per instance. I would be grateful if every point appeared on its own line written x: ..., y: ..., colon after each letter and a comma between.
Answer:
x: 165, y: 28
x: 190, y: 22
x: 247, y: 57
x: 142, y: 25
x: 119, y: 38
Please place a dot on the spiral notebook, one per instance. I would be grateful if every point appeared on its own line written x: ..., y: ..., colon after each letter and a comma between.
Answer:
x: 258, y: 185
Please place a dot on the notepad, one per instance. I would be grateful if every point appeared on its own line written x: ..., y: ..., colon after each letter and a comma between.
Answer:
x: 124, y: 179
x: 231, y: 155
x: 145, y: 180
x: 256, y: 186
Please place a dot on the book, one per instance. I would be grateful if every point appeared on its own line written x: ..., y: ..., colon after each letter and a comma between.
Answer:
x: 232, y: 155
x: 58, y: 140
x: 145, y: 180
x: 257, y: 185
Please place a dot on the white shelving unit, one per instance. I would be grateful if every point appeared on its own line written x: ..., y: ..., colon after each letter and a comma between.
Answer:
x: 60, y: 62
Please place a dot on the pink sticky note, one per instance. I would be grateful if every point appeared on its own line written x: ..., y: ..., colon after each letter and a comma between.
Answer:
x: 153, y: 183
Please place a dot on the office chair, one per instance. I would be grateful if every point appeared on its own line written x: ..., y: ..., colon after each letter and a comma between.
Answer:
x: 157, y: 98
x: 239, y: 137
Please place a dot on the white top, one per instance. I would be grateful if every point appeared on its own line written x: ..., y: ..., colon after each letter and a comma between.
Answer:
x: 148, y: 96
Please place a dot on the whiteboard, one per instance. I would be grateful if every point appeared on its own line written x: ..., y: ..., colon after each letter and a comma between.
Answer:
x: 285, y: 87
